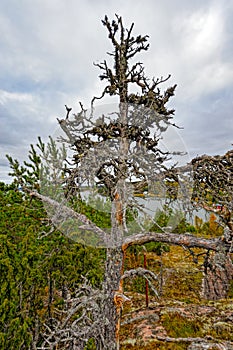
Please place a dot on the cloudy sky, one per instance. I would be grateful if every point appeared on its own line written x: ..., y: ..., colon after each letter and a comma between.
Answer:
x: 48, y: 48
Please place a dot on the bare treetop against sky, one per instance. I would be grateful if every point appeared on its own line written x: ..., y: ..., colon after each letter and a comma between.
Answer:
x: 47, y: 54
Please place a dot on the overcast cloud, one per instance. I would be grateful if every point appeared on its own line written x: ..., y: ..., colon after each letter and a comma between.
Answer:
x: 47, y: 54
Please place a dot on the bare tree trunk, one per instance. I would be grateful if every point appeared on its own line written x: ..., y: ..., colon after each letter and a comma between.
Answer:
x: 218, y: 274
x: 112, y: 306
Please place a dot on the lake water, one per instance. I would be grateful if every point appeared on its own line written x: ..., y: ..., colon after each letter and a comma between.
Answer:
x: 151, y: 205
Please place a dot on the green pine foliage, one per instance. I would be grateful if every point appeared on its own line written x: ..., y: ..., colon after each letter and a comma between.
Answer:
x: 34, y: 269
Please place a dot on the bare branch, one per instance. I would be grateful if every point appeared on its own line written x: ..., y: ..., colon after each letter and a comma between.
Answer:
x: 147, y: 274
x: 140, y: 271
x: 216, y: 343
x: 187, y: 240
x: 88, y: 224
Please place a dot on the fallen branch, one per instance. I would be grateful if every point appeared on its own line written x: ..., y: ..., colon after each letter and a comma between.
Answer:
x: 217, y: 343
x: 185, y: 340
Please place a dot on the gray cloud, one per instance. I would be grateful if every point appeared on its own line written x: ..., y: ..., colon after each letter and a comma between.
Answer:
x: 48, y: 49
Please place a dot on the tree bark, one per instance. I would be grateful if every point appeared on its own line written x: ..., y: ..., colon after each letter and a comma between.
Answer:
x: 113, y: 305
x: 218, y: 274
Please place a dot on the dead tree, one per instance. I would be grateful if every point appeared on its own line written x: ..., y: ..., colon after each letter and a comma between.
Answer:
x: 112, y: 150
x: 119, y: 151
x: 213, y: 191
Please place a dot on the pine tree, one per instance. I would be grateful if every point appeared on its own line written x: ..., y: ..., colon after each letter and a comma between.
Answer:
x: 115, y: 152
x: 120, y: 154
